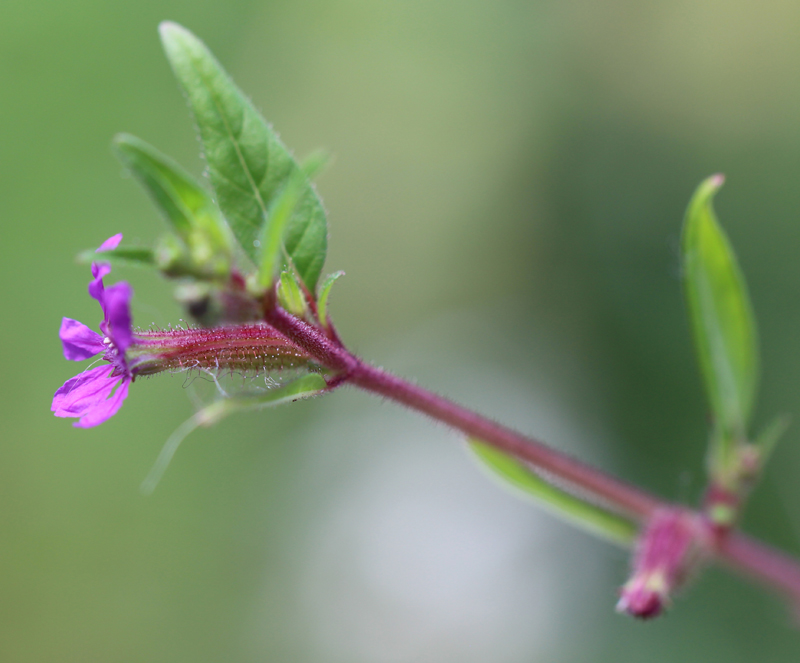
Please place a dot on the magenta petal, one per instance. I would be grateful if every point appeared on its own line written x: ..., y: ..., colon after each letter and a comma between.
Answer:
x: 88, y: 396
x: 100, y: 269
x: 96, y: 288
x: 106, y: 409
x: 110, y: 244
x: 79, y: 341
x: 80, y: 394
x: 118, y: 314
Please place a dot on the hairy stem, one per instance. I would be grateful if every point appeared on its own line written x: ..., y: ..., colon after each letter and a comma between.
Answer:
x: 736, y: 551
x: 593, y: 483
x: 619, y: 496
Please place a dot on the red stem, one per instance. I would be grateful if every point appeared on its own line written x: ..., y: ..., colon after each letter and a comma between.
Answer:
x: 737, y: 551
x: 762, y: 563
x: 620, y: 496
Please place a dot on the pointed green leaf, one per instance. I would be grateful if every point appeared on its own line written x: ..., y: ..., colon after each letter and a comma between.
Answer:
x: 585, y: 515
x: 179, y: 197
x: 280, y: 212
x: 273, y: 253
x: 247, y: 163
x: 186, y: 206
x: 303, y: 387
x: 122, y: 255
x: 324, y: 293
x: 721, y: 318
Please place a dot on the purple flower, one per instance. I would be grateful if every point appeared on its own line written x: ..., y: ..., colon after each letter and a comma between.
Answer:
x: 88, y: 395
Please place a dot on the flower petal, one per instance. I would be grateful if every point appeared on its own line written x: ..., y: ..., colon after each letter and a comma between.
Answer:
x: 79, y: 341
x: 105, y: 409
x: 80, y: 394
x: 101, y: 269
x: 110, y: 244
x: 118, y: 315
x: 96, y: 289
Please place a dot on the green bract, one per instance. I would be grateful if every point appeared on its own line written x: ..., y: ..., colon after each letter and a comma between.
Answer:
x: 324, y: 294
x: 247, y: 163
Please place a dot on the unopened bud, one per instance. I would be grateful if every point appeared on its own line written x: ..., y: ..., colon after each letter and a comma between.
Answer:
x: 665, y: 555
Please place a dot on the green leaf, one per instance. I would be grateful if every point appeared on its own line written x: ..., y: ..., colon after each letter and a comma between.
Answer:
x: 721, y: 318
x: 122, y: 255
x: 324, y: 293
x: 247, y: 163
x: 272, y: 247
x: 291, y: 296
x: 301, y: 388
x: 185, y: 204
x: 175, y: 192
x: 585, y: 515
x: 280, y: 212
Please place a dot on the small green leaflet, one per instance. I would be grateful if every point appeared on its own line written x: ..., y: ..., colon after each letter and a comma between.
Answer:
x: 721, y: 317
x: 586, y: 515
x: 324, y: 294
x: 290, y: 295
x: 247, y: 163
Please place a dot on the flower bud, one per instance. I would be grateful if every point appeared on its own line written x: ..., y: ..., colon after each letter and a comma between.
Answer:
x: 665, y: 555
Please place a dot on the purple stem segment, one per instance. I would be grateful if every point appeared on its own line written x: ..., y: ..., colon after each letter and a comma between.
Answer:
x: 737, y: 551
x: 617, y: 495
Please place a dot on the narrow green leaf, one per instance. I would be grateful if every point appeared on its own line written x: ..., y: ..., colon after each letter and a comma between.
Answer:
x: 122, y: 255
x: 324, y: 293
x: 721, y: 318
x: 303, y: 387
x: 281, y: 210
x: 581, y: 513
x: 177, y: 195
x: 247, y: 163
x: 185, y: 204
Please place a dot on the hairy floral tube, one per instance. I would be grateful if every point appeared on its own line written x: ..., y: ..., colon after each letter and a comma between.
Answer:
x: 96, y: 394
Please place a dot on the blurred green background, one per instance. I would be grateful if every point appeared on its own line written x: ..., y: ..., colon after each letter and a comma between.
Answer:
x: 509, y: 184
